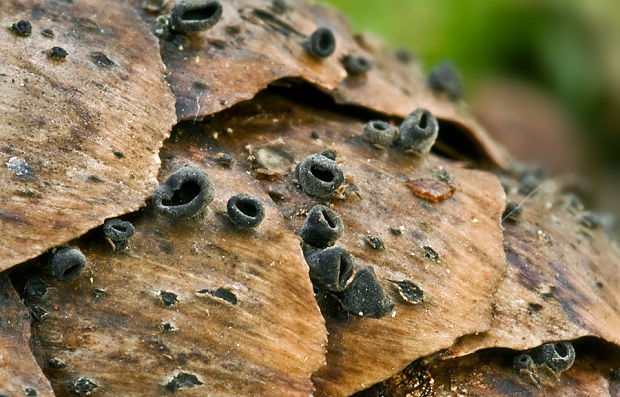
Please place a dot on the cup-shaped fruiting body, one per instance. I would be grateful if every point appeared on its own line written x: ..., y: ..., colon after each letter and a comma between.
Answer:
x: 445, y: 78
x: 356, y: 65
x: 523, y: 361
x: 321, y: 43
x: 245, y: 211
x: 378, y: 132
x: 67, y: 263
x: 322, y: 227
x: 118, y: 231
x: 419, y: 131
x: 319, y: 176
x: 57, y: 53
x: 185, y: 193
x: 365, y: 297
x: 559, y: 356
x: 331, y: 267
x: 191, y: 16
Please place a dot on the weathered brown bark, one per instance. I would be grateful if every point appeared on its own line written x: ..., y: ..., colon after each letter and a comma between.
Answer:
x: 145, y: 321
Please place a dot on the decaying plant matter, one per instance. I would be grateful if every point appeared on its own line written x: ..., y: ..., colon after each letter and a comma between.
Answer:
x: 302, y: 240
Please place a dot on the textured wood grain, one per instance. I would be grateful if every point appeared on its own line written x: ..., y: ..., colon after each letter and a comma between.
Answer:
x: 463, y: 230
x: 19, y: 372
x: 109, y: 325
x: 253, y: 46
x: 490, y: 373
x: 61, y: 123
x: 562, y: 282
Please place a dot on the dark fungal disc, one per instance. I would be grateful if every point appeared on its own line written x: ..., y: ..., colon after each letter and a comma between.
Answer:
x: 57, y: 53
x: 419, y: 131
x: 374, y: 242
x: 168, y: 298
x: 191, y: 16
x: 322, y: 227
x: 365, y: 297
x: 319, y: 176
x: 181, y: 381
x: 445, y: 78
x: 83, y: 386
x: 410, y: 292
x: 67, y: 263
x: 101, y: 59
x: 356, y: 65
x: 245, y: 211
x: 48, y: 33
x: 56, y: 363
x: 321, y: 43
x: 331, y: 267
x: 222, y: 293
x: 186, y: 193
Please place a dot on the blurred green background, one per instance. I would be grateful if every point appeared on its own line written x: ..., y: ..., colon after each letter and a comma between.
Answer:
x: 561, y: 54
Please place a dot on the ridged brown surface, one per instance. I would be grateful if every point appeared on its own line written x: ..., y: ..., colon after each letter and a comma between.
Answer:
x: 463, y: 230
x: 19, y: 372
x: 253, y: 46
x: 562, y: 280
x: 62, y: 122
x: 108, y: 325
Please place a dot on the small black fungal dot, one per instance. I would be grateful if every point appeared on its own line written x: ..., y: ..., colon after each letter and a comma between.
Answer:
x: 365, y: 296
x: 374, y: 242
x: 315, y: 135
x: 48, y: 33
x: 396, y: 231
x: 319, y: 176
x: 101, y: 59
x: 410, y: 292
x: 57, y: 53
x: 321, y: 43
x: 98, y: 293
x: 183, y: 380
x: 186, y: 193
x: 279, y: 6
x: 21, y: 28
x: 403, y: 55
x: 599, y: 284
x: 418, y: 131
x: 245, y: 211
x: 67, y: 263
x: 356, y: 65
x: 30, y: 392
x: 56, y: 363
x: 94, y: 179
x: 330, y: 154
x: 166, y: 327
x: 232, y: 30
x: 322, y: 227
x: 444, y: 176
x: 223, y: 102
x: 528, y: 183
x: 118, y: 154
x: 535, y: 307
x: 166, y: 248
x: 444, y: 78
x: 512, y: 212
x: 380, y: 133
x: 83, y: 386
x: 222, y: 293
x: 430, y: 253
x: 169, y: 298
x: 35, y: 288
x: 192, y: 16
